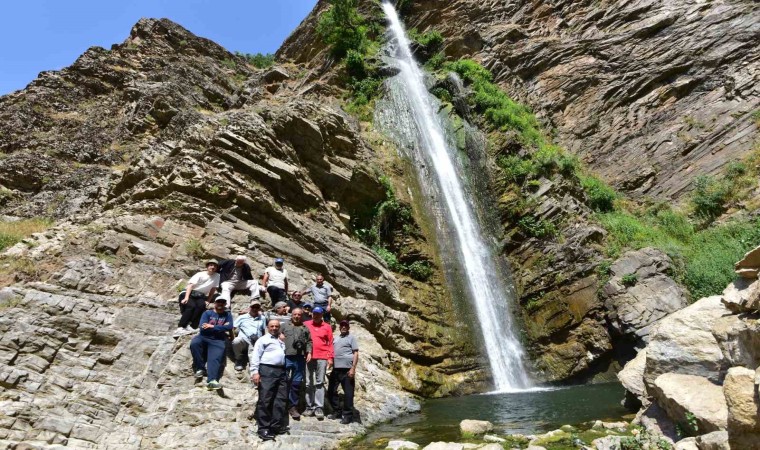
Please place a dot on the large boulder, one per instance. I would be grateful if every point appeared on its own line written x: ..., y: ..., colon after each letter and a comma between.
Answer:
x: 743, y: 295
x: 739, y: 339
x: 749, y: 266
x: 717, y: 440
x: 640, y: 292
x: 632, y: 375
x: 741, y: 396
x: 683, y: 343
x: 683, y: 395
x: 475, y: 427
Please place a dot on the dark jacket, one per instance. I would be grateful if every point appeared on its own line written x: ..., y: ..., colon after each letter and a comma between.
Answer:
x: 297, y: 339
x: 222, y: 324
x: 228, y: 265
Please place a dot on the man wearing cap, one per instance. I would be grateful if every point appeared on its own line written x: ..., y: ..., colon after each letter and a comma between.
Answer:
x: 279, y: 312
x: 194, y: 299
x: 343, y: 374
x: 298, y: 349
x: 268, y: 373
x: 307, y: 307
x: 321, y: 361
x: 209, y: 347
x: 276, y: 282
x: 249, y: 327
x: 236, y: 275
x: 321, y: 295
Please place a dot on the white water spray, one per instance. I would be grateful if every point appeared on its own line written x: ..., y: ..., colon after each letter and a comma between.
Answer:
x: 485, y: 287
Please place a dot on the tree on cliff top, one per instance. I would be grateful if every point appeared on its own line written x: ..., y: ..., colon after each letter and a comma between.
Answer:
x: 343, y: 28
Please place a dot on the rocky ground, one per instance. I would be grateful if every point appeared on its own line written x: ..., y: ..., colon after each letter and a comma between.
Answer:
x: 152, y: 156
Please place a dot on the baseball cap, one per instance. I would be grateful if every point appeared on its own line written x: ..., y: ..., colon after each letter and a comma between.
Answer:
x: 255, y: 302
x: 308, y: 305
x: 318, y: 310
x: 212, y: 261
x: 220, y: 300
x: 344, y: 322
x: 279, y: 261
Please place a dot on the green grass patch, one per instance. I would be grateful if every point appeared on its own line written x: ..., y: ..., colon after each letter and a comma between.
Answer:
x: 12, y: 233
x: 703, y: 259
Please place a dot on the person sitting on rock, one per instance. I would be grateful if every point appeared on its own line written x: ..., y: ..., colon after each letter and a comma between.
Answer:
x: 346, y: 351
x: 276, y: 282
x: 236, y: 275
x: 268, y: 374
x: 295, y: 301
x: 196, y: 297
x: 321, y: 296
x: 297, y: 354
x: 280, y: 312
x: 249, y: 327
x: 321, y: 361
x: 209, y: 346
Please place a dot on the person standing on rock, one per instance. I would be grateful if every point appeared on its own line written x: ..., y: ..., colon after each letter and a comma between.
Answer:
x: 236, y: 275
x: 210, y: 346
x: 298, y: 349
x: 268, y: 374
x: 346, y: 351
x: 321, y: 296
x: 321, y: 361
x: 249, y: 327
x: 196, y: 297
x: 276, y: 282
x: 295, y: 301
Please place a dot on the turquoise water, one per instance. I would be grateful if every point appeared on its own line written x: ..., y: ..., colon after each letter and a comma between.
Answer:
x: 522, y: 412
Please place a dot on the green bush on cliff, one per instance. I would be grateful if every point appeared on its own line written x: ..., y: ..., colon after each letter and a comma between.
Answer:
x: 258, y: 60
x: 343, y: 28
x: 432, y: 40
x: 709, y: 197
x: 601, y: 197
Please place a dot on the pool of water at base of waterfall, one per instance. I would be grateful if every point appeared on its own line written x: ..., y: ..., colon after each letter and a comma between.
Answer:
x: 527, y: 412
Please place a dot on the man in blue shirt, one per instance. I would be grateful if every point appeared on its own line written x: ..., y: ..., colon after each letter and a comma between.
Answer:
x: 208, y: 347
x: 249, y: 327
x: 268, y: 373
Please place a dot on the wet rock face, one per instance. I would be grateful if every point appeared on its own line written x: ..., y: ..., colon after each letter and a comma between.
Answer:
x: 650, y: 93
x: 153, y: 156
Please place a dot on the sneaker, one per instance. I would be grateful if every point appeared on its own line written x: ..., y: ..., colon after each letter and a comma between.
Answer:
x: 308, y: 413
x: 333, y: 416
x: 319, y: 414
x: 178, y: 332
x: 265, y: 435
x: 293, y: 411
x: 239, y: 368
x: 345, y: 420
x: 190, y: 330
x: 214, y: 385
x: 200, y: 373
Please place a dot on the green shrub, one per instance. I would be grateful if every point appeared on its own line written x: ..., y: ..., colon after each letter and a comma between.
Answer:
x: 515, y: 168
x: 442, y: 93
x: 470, y: 71
x: 258, y: 60
x: 629, y: 279
x: 709, y: 197
x: 343, y: 28
x: 432, y: 41
x: 194, y: 248
x: 355, y: 64
x: 420, y: 270
x: 390, y: 259
x: 600, y: 196
x: 436, y: 61
x: 537, y: 228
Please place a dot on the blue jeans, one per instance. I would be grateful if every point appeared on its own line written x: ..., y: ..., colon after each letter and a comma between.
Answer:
x: 208, y: 350
x: 295, y: 366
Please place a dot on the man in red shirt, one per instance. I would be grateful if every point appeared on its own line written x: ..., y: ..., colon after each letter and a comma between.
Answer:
x: 321, y: 360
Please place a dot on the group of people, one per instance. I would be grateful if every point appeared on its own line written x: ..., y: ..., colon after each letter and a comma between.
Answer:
x: 285, y: 346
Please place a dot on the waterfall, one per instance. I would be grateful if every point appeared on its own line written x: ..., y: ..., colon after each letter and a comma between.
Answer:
x: 463, y: 236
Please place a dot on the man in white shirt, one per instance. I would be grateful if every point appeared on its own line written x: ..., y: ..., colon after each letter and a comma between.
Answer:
x: 249, y: 328
x: 196, y: 297
x: 268, y: 373
x: 276, y: 282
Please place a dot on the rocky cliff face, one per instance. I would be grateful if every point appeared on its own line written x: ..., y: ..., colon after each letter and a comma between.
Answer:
x: 153, y: 155
x: 649, y: 94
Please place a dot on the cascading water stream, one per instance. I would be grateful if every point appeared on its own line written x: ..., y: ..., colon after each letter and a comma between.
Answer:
x: 485, y: 287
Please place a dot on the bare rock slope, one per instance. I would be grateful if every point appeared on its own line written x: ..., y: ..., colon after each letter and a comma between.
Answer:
x: 164, y: 150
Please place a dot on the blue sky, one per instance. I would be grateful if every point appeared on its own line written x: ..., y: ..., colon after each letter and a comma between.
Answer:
x: 39, y: 35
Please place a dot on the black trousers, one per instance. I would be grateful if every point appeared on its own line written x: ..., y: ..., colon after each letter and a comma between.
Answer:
x: 273, y: 397
x: 340, y: 377
x: 192, y: 310
x: 277, y: 295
